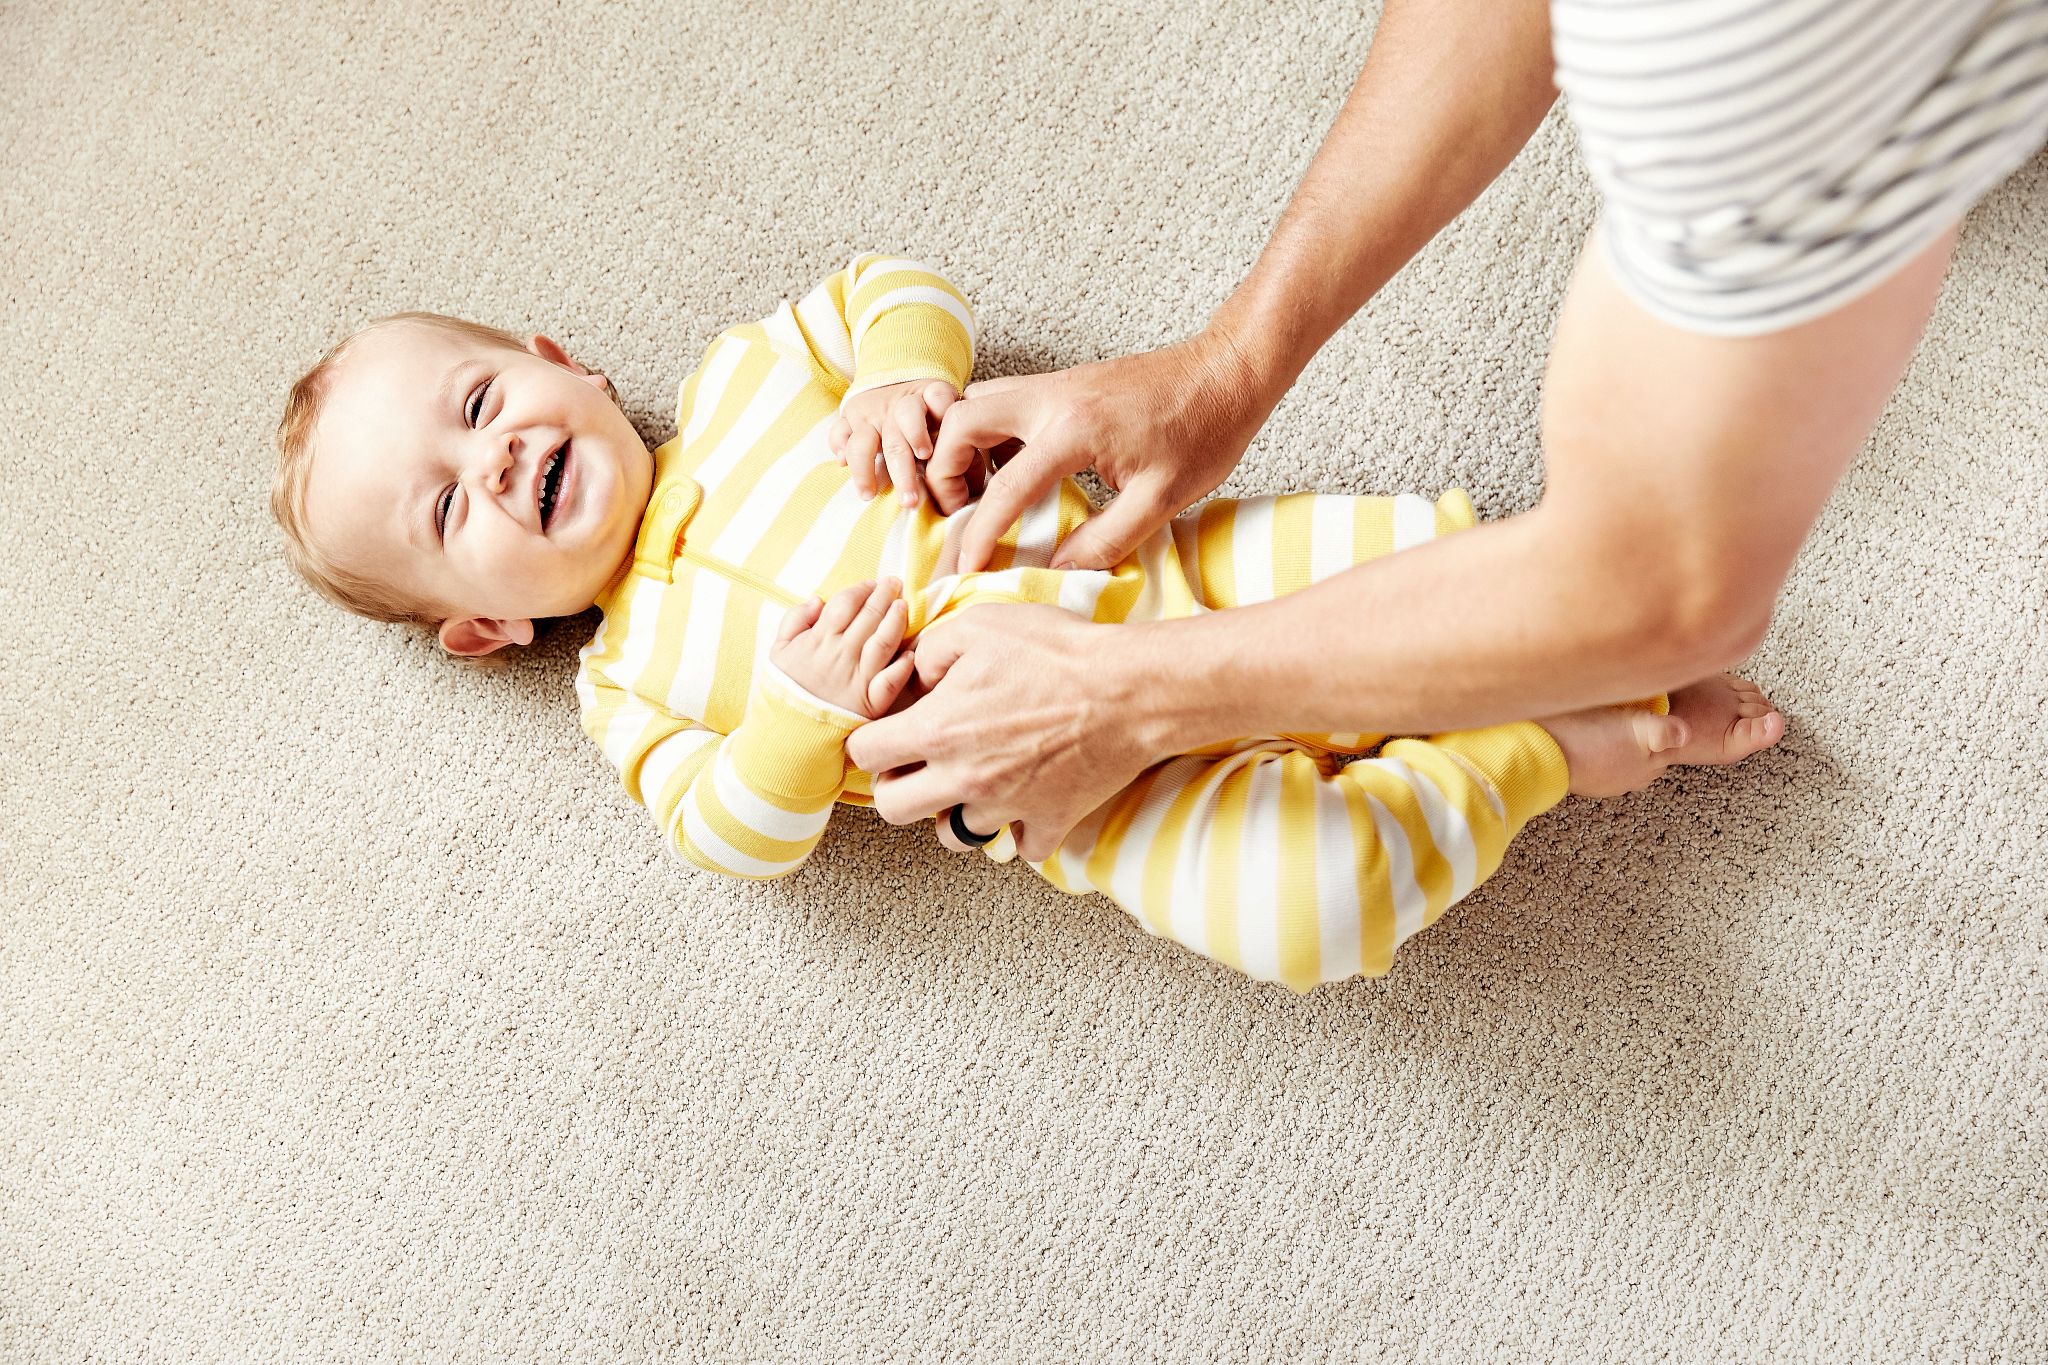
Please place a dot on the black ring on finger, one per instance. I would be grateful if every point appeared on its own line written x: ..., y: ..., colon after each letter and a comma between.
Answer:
x: 964, y: 834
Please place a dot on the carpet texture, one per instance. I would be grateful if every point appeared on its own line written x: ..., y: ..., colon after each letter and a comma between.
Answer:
x: 349, y: 1010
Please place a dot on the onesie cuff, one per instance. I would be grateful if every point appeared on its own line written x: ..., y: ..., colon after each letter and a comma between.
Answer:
x: 787, y: 690
x: 901, y: 375
x: 792, y: 743
x: 1521, y: 760
x: 914, y: 340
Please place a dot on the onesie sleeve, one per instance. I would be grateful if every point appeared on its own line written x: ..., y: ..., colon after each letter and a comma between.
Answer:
x: 882, y: 320
x: 750, y: 804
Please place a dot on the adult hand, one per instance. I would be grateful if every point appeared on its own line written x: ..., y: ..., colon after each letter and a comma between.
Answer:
x: 1163, y: 428
x: 1030, y: 722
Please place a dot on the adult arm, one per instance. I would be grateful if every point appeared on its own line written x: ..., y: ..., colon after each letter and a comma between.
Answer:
x: 1683, y: 473
x: 1450, y: 91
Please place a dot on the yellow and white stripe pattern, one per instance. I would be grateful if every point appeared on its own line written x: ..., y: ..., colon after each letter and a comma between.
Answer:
x: 1271, y: 855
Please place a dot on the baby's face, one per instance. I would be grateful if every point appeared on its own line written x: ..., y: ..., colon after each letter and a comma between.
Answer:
x: 494, y: 484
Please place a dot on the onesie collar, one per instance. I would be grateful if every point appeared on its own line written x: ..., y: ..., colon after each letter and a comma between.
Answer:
x: 676, y: 497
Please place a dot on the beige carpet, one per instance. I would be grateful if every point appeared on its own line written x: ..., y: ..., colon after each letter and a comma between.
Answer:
x: 350, y: 1012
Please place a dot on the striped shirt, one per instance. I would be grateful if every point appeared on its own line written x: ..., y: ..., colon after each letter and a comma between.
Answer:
x: 1763, y: 162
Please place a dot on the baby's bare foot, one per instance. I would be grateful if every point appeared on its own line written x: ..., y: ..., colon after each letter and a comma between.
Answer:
x: 1609, y: 750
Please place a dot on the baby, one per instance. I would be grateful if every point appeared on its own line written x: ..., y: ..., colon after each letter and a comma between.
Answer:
x: 757, y: 609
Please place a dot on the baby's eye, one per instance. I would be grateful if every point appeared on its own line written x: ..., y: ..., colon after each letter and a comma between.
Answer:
x: 441, y: 510
x: 476, y: 402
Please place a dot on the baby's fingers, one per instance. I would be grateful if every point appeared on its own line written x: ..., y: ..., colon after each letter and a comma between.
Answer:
x: 899, y: 455
x: 912, y: 413
x: 863, y: 443
x: 799, y: 619
x: 888, y: 685
x: 938, y: 396
x: 845, y: 604
x: 888, y: 637
x: 863, y: 626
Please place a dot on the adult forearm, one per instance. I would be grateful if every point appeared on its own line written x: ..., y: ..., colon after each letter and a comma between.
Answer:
x: 1449, y: 93
x: 1494, y: 624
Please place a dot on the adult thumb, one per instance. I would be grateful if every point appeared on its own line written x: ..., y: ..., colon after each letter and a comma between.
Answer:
x: 1105, y: 538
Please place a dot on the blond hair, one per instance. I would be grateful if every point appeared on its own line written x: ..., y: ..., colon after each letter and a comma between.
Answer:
x: 348, y: 590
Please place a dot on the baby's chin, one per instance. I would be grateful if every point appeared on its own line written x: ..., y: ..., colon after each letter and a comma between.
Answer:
x: 581, y: 585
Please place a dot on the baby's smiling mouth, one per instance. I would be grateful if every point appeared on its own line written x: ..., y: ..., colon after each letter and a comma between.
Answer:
x: 551, y: 483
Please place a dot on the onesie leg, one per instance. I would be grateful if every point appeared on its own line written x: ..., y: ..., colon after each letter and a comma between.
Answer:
x: 1266, y: 862
x: 1236, y: 551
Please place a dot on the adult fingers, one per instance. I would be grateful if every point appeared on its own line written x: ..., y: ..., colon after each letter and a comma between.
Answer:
x: 1036, y: 843
x: 905, y: 738
x: 798, y: 619
x: 988, y: 388
x: 941, y: 645
x: 971, y: 425
x: 1011, y: 491
x: 916, y: 795
x: 976, y: 820
x: 1109, y: 535
x: 942, y: 829
x: 880, y: 745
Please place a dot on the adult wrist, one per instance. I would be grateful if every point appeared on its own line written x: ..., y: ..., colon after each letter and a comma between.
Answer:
x: 1169, y: 695
x: 1245, y: 361
x: 1268, y: 335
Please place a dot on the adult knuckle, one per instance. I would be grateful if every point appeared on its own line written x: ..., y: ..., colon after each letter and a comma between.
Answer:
x: 1083, y: 408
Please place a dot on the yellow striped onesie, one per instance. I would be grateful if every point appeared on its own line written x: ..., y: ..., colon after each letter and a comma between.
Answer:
x: 1271, y: 855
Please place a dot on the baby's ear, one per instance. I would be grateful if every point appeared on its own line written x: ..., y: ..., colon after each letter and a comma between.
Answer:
x: 473, y: 635
x: 546, y: 349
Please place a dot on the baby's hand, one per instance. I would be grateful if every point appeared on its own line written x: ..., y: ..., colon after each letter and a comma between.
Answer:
x: 844, y: 651
x: 898, y: 421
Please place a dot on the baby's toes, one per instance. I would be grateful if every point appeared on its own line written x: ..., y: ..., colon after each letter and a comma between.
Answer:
x: 1754, y: 733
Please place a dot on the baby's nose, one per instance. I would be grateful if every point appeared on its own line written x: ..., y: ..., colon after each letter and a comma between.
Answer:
x: 504, y: 459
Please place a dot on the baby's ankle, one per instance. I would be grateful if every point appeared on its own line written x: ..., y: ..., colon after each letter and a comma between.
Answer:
x: 1612, y: 750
